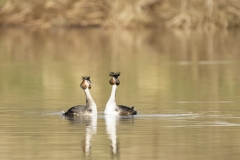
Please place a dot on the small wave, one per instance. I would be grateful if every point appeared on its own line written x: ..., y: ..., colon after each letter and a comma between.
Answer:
x: 52, y: 113
x: 220, y: 124
x: 208, y: 124
x: 204, y: 62
x: 184, y: 102
x: 166, y: 115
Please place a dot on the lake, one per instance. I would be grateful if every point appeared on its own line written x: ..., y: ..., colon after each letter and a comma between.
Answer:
x: 185, y: 86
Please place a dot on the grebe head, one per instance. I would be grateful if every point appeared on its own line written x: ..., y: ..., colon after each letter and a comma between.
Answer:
x: 114, y: 78
x: 86, y: 83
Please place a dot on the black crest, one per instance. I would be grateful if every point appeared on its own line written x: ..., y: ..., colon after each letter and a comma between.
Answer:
x: 114, y: 74
x: 86, y: 78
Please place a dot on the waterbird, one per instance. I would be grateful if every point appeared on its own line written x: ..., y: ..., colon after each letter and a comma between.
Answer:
x: 90, y: 108
x: 111, y: 106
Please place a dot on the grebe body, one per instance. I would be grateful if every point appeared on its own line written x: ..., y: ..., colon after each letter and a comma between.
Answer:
x: 111, y: 106
x: 90, y: 108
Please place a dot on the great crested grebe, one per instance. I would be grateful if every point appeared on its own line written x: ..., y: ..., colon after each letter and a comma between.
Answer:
x: 90, y: 108
x: 112, y: 107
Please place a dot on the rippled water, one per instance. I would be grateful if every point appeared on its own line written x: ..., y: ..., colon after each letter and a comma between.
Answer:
x: 184, y: 85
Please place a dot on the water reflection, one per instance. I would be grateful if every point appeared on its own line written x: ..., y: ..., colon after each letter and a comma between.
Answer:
x: 110, y: 121
x: 91, y: 128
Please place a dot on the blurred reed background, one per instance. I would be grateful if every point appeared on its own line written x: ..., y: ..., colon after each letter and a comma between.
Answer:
x: 186, y: 14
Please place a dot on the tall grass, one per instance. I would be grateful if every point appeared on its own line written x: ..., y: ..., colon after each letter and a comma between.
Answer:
x: 186, y: 14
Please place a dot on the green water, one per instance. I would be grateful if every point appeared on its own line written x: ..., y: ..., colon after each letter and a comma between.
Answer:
x: 185, y: 86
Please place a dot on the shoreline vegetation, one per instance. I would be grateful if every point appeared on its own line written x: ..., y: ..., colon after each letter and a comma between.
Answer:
x: 129, y: 14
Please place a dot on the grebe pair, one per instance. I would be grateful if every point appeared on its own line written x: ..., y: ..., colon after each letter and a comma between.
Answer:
x: 90, y: 108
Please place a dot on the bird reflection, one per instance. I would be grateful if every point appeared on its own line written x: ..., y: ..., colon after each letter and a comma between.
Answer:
x: 110, y: 121
x: 91, y: 128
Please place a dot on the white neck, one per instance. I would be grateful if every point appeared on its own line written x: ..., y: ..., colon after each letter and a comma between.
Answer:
x: 113, y: 93
x: 111, y: 104
x: 90, y: 103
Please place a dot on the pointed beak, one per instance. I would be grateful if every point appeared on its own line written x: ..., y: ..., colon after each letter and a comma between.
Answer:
x: 117, y: 81
x: 89, y: 82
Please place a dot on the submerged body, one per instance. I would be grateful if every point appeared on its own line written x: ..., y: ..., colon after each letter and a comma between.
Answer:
x: 111, y: 106
x: 78, y: 110
x: 90, y: 108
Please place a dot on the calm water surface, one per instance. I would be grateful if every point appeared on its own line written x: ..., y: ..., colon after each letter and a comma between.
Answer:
x: 184, y: 85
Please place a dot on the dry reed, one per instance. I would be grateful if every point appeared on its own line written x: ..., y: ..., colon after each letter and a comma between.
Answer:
x: 186, y: 14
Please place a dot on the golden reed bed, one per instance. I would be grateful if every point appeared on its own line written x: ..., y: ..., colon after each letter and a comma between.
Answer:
x: 185, y: 14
